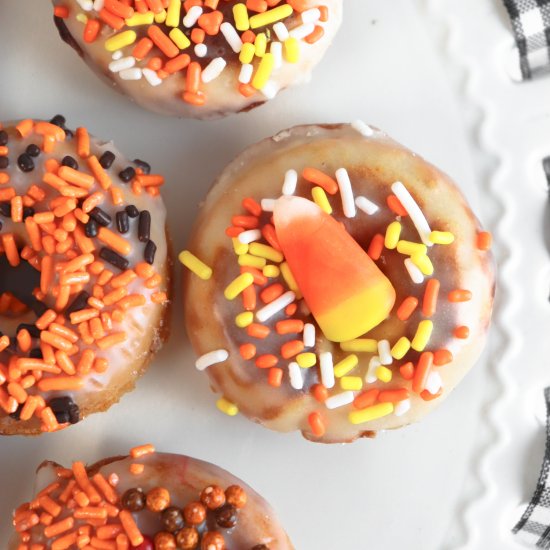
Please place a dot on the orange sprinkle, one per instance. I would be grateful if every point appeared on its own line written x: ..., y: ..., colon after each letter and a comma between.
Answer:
x: 234, y: 231
x: 24, y: 340
x: 86, y: 361
x: 61, y: 11
x: 17, y: 209
x: 116, y: 242
x: 83, y: 481
x: 271, y: 293
x: 142, y: 48
x: 442, y: 357
x: 163, y: 42
x: 258, y: 331
x: 130, y: 527
x: 100, y: 364
x: 407, y: 307
x: 275, y: 377
x: 459, y: 295
x: 4, y: 178
x: 108, y: 492
x: 291, y: 348
x: 248, y: 36
x: 247, y: 90
x: 46, y: 319
x: 429, y: 303
x: 55, y: 340
x: 247, y: 351
x: 422, y: 371
x: 193, y: 77
x: 376, y: 247
x: 59, y: 383
x: 461, y: 332
x: 144, y: 270
x: 111, y: 19
x: 142, y: 450
x: 319, y: 392
x: 316, y: 424
x: 291, y: 309
x: 246, y: 222
x: 393, y: 396
x: 49, y: 420
x: 81, y: 179
x: 82, y: 142
x: 99, y: 173
x: 407, y: 371
x: 259, y: 278
x: 90, y: 512
x: 249, y: 298
x: 159, y: 297
x: 91, y: 30
x: 197, y: 35
x: 83, y: 315
x: 484, y: 240
x: 258, y: 6
x: 25, y: 127
x: 266, y: 361
x: 60, y: 527
x: 394, y: 204
x: 111, y: 340
x: 119, y: 8
x: 85, y: 244
x: 321, y: 179
x: 252, y: 206
x: 10, y: 249
x: 178, y: 63
x: 366, y: 398
x: 316, y: 35
x: 7, y: 194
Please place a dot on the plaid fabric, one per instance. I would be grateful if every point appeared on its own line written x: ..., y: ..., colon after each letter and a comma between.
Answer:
x: 534, y: 526
x: 531, y: 25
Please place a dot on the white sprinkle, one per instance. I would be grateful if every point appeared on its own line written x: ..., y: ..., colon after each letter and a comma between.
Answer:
x: 271, y: 89
x: 151, y: 77
x: 117, y: 55
x: 402, y: 407
x: 366, y: 206
x: 311, y: 15
x: 200, y: 50
x: 327, y: 369
x: 340, y: 400
x: 211, y: 358
x: 192, y: 16
x: 86, y: 5
x: 281, y: 31
x: 213, y: 69
x: 417, y: 217
x: 309, y: 335
x: 98, y: 5
x: 268, y: 205
x: 295, y: 375
x: 274, y: 307
x: 362, y: 128
x: 131, y: 74
x: 247, y: 237
x: 384, y: 352
x: 374, y: 363
x: 122, y: 63
x: 276, y: 49
x: 232, y: 36
x: 434, y: 382
x: 302, y: 31
x: 291, y: 179
x: 414, y: 272
x: 245, y: 76
x: 346, y: 192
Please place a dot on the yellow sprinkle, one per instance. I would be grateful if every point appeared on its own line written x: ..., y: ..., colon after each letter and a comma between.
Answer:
x: 140, y: 19
x: 422, y: 336
x: 260, y: 44
x: 191, y: 262
x: 442, y: 237
x: 237, y: 285
x: 365, y: 345
x: 321, y: 199
x: 179, y: 39
x: 292, y: 50
x: 306, y: 360
x: 423, y: 263
x: 173, y: 14
x: 401, y: 347
x: 265, y: 251
x: 239, y: 247
x: 160, y: 17
x: 290, y: 280
x: 252, y: 261
x: 351, y: 383
x: 271, y: 16
x: 345, y: 365
x: 81, y: 18
x: 244, y: 319
x: 393, y: 232
x: 247, y: 53
x: 120, y: 40
x: 271, y: 271
x: 230, y: 409
x: 240, y: 14
x: 409, y: 248
x: 383, y: 374
x: 370, y: 413
x: 264, y: 71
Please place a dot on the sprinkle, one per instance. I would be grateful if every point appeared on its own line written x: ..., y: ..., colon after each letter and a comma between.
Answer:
x: 245, y: 74
x: 371, y: 413
x: 310, y: 16
x: 401, y: 348
x: 384, y: 352
x: 192, y: 16
x: 131, y: 74
x: 316, y: 424
x: 346, y: 365
x: 130, y: 528
x: 260, y: 45
x: 309, y: 335
x: 459, y: 295
x: 241, y: 282
x: 434, y: 382
x: 195, y: 265
x: 240, y: 14
x: 442, y: 357
x: 246, y: 237
x: 211, y: 358
x: 422, y: 335
x: 120, y: 40
x: 422, y: 371
x: 484, y: 240
x: 374, y: 363
x: 327, y: 369
x: 244, y: 319
x: 402, y: 407
x: 232, y: 37
x: 461, y: 332
x: 275, y: 307
x: 281, y: 31
x: 384, y: 374
x: 139, y: 19
x: 213, y: 69
x: 393, y: 232
x: 276, y: 49
x: 264, y: 71
x: 412, y: 208
x: 364, y: 129
x: 409, y: 248
x: 248, y: 260
x: 291, y: 49
x: 340, y: 399
x: 442, y: 237
x: 306, y: 360
x: 359, y: 345
x: 366, y: 206
x: 142, y: 450
x: 302, y: 31
x: 151, y: 77
x: 429, y: 302
x: 124, y: 63
x: 265, y: 251
x: 268, y: 205
x: 346, y: 192
x: 248, y: 51
x: 290, y: 182
x: 351, y: 383
x: 321, y: 199
x: 266, y: 361
x: 271, y: 16
x: 247, y: 351
x: 200, y: 51
x: 271, y: 271
x: 414, y: 273
x: 295, y: 375
x: 226, y: 407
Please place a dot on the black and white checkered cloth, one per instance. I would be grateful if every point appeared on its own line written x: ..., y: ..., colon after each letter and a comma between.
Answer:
x: 534, y: 526
x: 531, y: 25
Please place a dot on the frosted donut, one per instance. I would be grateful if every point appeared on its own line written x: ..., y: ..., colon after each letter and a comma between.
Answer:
x: 200, y: 59
x: 145, y: 501
x: 338, y: 284
x: 84, y: 273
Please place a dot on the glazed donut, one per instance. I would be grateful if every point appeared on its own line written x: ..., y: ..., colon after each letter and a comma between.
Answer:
x: 394, y: 271
x: 84, y: 273
x: 145, y: 501
x: 199, y: 58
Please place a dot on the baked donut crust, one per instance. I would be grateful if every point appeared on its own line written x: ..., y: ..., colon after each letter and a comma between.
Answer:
x: 145, y: 326
x: 374, y: 163
x: 222, y: 93
x: 184, y: 478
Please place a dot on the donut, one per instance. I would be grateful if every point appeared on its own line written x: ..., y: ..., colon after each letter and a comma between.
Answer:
x: 199, y: 58
x: 337, y: 284
x: 84, y: 274
x: 145, y: 501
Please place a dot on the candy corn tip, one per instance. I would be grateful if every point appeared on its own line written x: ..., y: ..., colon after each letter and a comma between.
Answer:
x: 288, y: 208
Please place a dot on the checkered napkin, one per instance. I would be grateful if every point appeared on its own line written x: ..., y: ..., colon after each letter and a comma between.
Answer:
x: 534, y: 526
x: 531, y: 25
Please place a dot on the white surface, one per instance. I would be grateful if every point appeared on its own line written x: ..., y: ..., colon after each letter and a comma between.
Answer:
x: 418, y: 488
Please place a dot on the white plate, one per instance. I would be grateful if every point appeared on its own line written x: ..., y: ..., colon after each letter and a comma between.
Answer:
x: 389, y: 66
